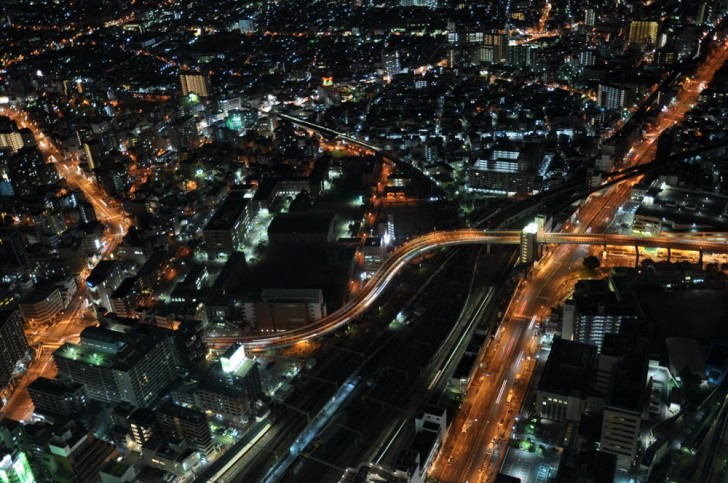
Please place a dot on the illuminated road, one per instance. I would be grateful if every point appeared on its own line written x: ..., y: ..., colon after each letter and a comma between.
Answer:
x: 68, y: 328
x: 466, y: 457
x: 369, y: 293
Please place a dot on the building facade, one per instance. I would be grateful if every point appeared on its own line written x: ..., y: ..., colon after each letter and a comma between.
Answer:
x: 117, y: 367
x: 13, y: 343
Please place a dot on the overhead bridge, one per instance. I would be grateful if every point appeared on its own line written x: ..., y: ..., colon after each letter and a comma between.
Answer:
x: 368, y: 294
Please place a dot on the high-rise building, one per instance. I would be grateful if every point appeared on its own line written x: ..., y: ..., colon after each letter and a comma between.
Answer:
x: 10, y: 137
x: 565, y: 389
x: 42, y: 306
x: 624, y: 406
x: 590, y: 17
x: 505, y: 170
x: 188, y: 424
x: 230, y: 388
x: 52, y: 396
x: 610, y: 96
x: 13, y: 345
x: 27, y: 171
x: 500, y: 45
x: 529, y: 245
x: 15, y: 468
x: 183, y: 133
x: 704, y: 11
x: 12, y: 140
x: 94, y: 151
x: 643, y: 32
x: 77, y: 455
x: 519, y: 55
x: 596, y: 310
x: 195, y: 83
x: 124, y: 300
x: 103, y: 280
x: 12, y: 248
x: 392, y: 62
x: 587, y: 57
x: 119, y: 367
x: 225, y: 232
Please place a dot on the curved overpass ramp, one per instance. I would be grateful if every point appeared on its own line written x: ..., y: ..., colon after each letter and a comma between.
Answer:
x: 368, y: 294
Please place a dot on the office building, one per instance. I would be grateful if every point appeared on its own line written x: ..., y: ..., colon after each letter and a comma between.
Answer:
x: 284, y: 309
x: 504, y: 171
x: 142, y: 425
x: 188, y: 424
x: 565, y: 389
x: 430, y: 427
x: 586, y: 465
x: 519, y: 56
x: 372, y: 251
x: 117, y: 472
x: 151, y: 273
x: 93, y: 237
x: 226, y: 230
x: 119, y: 367
x: 198, y: 84
x: 625, y: 404
x: 13, y: 345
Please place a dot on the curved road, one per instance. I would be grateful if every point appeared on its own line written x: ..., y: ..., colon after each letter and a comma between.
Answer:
x: 369, y: 293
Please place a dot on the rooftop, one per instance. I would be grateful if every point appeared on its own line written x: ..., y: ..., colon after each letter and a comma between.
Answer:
x: 684, y: 210
x: 100, y: 272
x: 229, y: 212
x: 301, y: 223
x: 569, y: 369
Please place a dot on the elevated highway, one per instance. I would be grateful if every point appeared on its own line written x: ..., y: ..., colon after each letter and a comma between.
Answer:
x: 368, y: 294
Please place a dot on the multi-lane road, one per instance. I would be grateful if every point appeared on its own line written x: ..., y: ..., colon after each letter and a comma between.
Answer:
x: 472, y: 455
x: 368, y: 294
x: 68, y: 328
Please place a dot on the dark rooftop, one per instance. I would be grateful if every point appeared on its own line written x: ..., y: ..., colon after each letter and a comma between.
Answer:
x: 301, y: 223
x: 569, y: 369
x: 100, y: 272
x: 229, y: 212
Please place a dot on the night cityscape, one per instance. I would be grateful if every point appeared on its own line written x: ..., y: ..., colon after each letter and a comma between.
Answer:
x: 363, y: 241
